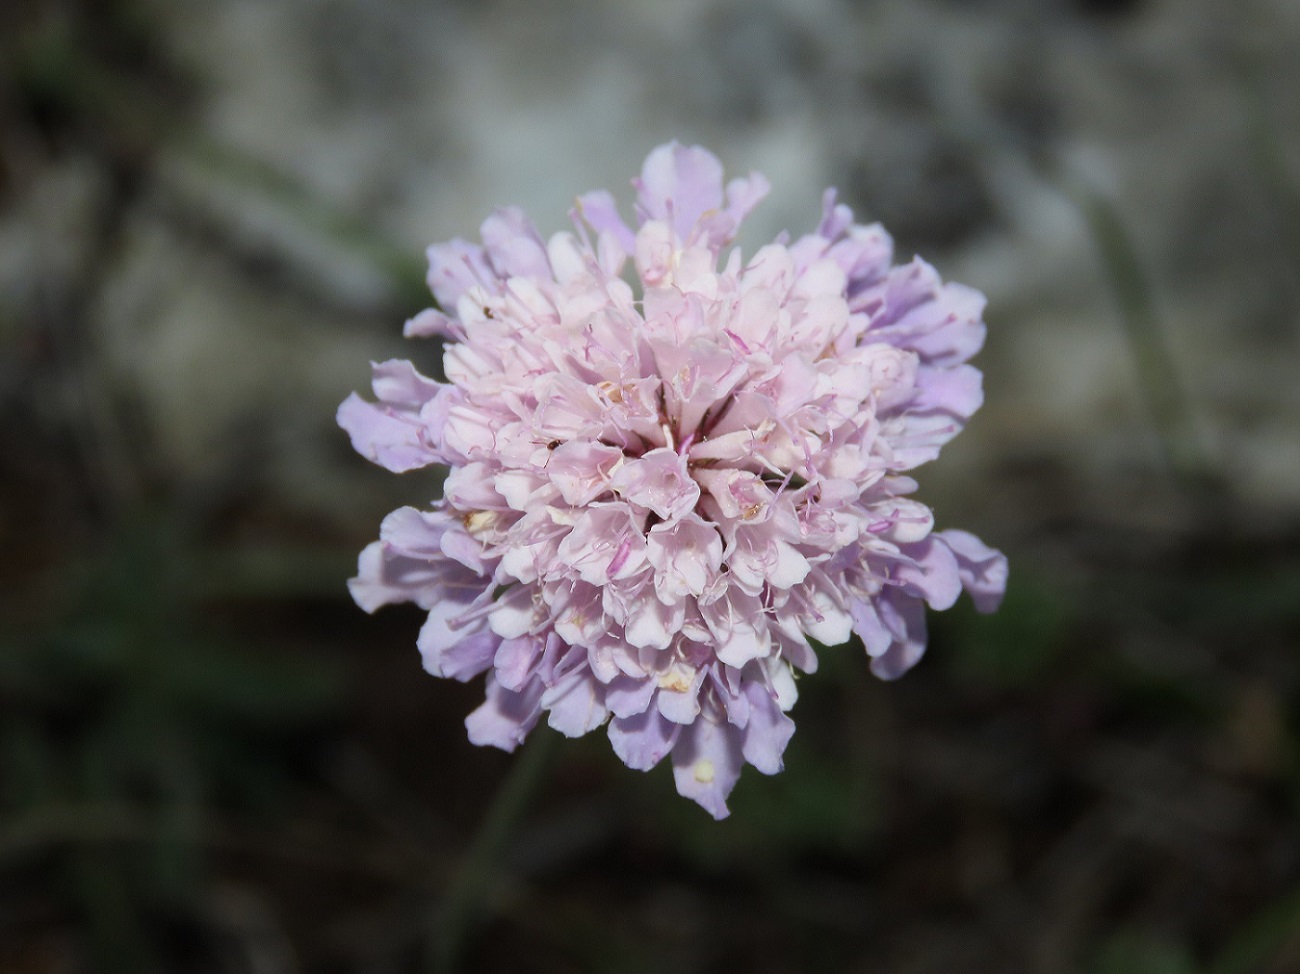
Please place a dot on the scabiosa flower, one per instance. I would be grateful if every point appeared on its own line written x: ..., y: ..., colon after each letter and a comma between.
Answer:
x: 662, y: 494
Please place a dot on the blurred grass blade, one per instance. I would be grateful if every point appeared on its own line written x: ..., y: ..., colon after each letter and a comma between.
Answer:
x: 1127, y: 953
x: 1274, y: 931
x: 482, y: 861
x: 1157, y: 375
x: 1269, y: 150
x: 405, y: 271
x: 275, y: 572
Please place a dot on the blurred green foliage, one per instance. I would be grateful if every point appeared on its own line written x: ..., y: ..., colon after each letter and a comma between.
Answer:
x: 1267, y: 944
x: 1020, y: 642
x: 1137, y: 954
x: 129, y: 717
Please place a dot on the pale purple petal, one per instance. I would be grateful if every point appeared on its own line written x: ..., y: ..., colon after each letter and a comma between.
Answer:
x: 394, y: 432
x: 576, y: 704
x: 642, y: 740
x: 387, y: 574
x: 931, y: 572
x: 516, y: 659
x: 940, y: 322
x: 743, y: 194
x: 514, y: 247
x: 983, y: 569
x: 836, y: 217
x: 707, y: 759
x: 956, y: 391
x: 386, y: 436
x: 681, y: 704
x: 678, y: 185
x: 505, y: 717
x: 414, y: 532
x: 455, y: 268
x: 904, y: 616
x: 660, y: 481
x: 767, y: 732
x: 442, y: 632
x: 383, y: 579
x: 867, y: 624
x: 468, y: 657
x: 651, y: 624
x: 600, y: 212
x: 686, y: 556
x: 430, y: 321
x: 582, y: 470
x: 627, y: 696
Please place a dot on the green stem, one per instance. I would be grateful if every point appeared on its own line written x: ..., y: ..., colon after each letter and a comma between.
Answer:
x: 404, y: 271
x: 1157, y: 374
x: 52, y: 62
x: 1269, y: 151
x: 468, y: 890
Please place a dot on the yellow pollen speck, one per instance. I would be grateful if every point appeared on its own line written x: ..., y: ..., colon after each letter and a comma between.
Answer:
x: 704, y: 771
x: 675, y: 681
x: 752, y: 511
x: 476, y: 521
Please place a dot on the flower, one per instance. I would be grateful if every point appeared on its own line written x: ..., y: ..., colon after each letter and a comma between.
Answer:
x: 660, y: 496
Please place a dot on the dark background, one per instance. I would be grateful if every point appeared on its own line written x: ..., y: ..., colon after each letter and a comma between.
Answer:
x: 212, y: 216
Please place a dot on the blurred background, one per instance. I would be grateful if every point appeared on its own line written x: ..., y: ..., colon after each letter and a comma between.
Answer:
x: 213, y: 215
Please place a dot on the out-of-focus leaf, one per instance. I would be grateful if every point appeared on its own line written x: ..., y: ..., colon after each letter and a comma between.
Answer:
x: 129, y: 694
x: 257, y: 684
x: 275, y: 573
x: 818, y: 804
x: 1157, y: 374
x: 1015, y: 645
x: 1274, y: 930
x: 117, y: 939
x: 1139, y: 954
x: 27, y: 765
x: 1236, y: 598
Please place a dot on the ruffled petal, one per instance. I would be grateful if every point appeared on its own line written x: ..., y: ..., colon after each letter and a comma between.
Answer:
x: 576, y: 703
x: 983, y: 570
x: 707, y: 759
x: 506, y: 716
x: 514, y: 247
x: 904, y: 617
x: 600, y: 212
x: 767, y: 732
x: 395, y: 432
x: 457, y: 267
x: 678, y: 185
x: 642, y: 740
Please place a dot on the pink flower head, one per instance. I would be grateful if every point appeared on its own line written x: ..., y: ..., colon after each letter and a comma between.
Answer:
x: 661, y: 496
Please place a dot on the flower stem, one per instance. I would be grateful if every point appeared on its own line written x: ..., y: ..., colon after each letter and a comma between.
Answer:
x: 1157, y: 374
x: 468, y: 890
